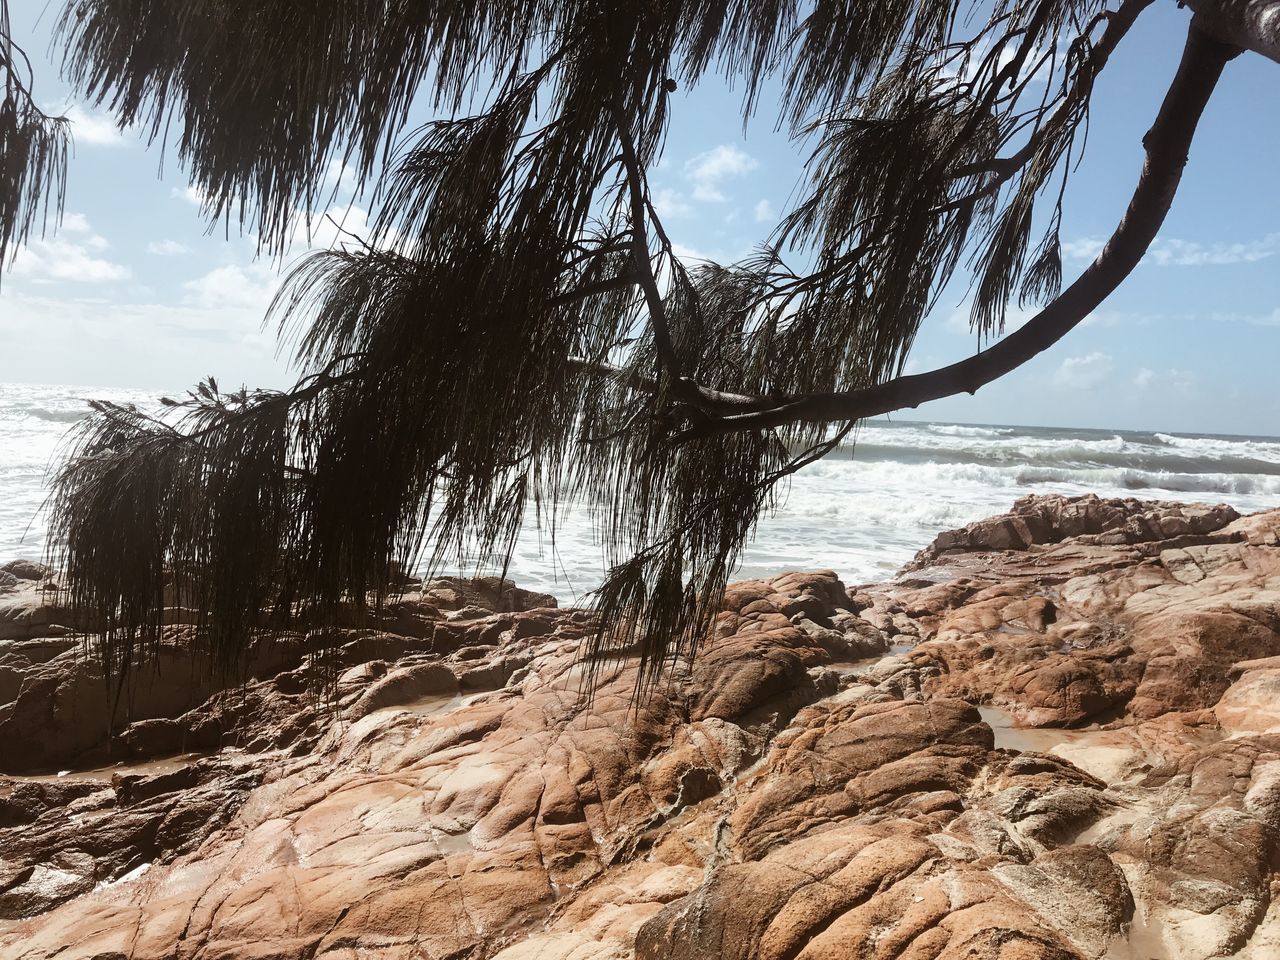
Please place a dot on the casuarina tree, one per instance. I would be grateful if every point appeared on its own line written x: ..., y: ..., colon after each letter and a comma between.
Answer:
x: 517, y: 332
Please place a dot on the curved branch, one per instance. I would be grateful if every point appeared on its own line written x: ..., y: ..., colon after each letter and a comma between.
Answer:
x: 1167, y: 144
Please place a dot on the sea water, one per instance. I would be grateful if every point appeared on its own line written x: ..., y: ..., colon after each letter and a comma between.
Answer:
x: 863, y: 511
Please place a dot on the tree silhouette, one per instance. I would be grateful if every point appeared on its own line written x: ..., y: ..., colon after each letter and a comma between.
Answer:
x: 518, y: 330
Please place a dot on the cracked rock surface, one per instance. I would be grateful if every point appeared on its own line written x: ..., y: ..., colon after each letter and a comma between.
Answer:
x: 1056, y: 735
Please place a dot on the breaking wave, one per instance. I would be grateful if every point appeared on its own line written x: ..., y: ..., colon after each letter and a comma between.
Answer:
x: 863, y: 511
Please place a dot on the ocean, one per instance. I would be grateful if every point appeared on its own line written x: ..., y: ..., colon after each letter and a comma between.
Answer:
x: 863, y: 511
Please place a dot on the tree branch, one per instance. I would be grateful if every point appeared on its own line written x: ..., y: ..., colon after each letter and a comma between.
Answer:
x: 1167, y: 144
x: 663, y: 343
x: 1250, y: 24
x: 1119, y: 23
x: 698, y: 397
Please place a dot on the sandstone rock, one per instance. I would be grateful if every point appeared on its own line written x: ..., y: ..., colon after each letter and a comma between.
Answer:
x: 1251, y: 705
x: 1039, y: 520
x: 1068, y: 752
x: 28, y: 610
x: 27, y: 570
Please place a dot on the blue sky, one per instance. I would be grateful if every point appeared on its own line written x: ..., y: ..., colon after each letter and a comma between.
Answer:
x: 136, y: 291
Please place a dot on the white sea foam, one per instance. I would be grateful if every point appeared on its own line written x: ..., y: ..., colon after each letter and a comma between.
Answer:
x: 963, y: 430
x: 862, y: 512
x: 1224, y: 447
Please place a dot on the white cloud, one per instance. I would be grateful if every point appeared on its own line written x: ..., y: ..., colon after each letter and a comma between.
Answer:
x: 1186, y: 253
x: 92, y: 128
x: 167, y: 248
x: 708, y: 171
x: 1113, y: 318
x: 191, y: 194
x: 764, y: 212
x: 1083, y: 248
x: 671, y: 204
x: 1181, y: 381
x: 1171, y: 380
x: 1271, y: 319
x: 328, y: 228
x: 234, y: 287
x: 339, y: 180
x: 1083, y: 372
x: 70, y: 256
x: 688, y: 255
x: 96, y: 339
x: 967, y: 70
x: 958, y: 320
x: 76, y: 223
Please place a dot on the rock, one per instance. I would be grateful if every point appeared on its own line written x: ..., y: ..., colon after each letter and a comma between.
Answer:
x: 404, y: 686
x: 26, y: 570
x: 1251, y: 705
x: 28, y: 610
x: 490, y: 594
x: 1088, y: 519
x: 1069, y: 752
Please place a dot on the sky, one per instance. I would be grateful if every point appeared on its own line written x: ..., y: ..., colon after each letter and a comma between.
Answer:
x: 136, y: 289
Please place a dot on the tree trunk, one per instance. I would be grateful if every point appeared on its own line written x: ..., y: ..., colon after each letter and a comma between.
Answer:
x: 1250, y: 24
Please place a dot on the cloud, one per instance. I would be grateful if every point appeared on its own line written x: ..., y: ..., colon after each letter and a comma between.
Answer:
x: 76, y: 223
x: 1181, y: 381
x: 102, y: 339
x: 764, y: 212
x: 92, y: 128
x: 69, y: 257
x: 958, y: 320
x: 1083, y: 248
x: 325, y: 229
x: 1271, y: 319
x: 690, y: 255
x: 1081, y: 373
x: 968, y: 70
x: 191, y: 194
x: 1114, y: 318
x: 233, y: 287
x: 671, y: 204
x: 167, y: 248
x: 708, y: 171
x: 1186, y: 253
x: 1171, y: 380
x: 340, y: 180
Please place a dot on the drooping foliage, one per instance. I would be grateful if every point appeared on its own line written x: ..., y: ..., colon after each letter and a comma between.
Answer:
x: 33, y: 151
x: 517, y: 332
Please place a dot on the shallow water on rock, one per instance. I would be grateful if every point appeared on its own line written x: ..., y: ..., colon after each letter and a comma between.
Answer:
x: 428, y: 706
x: 1010, y: 736
x: 124, y: 768
x: 1119, y: 819
x: 852, y: 668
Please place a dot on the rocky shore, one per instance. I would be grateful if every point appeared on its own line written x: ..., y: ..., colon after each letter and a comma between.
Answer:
x: 1055, y: 735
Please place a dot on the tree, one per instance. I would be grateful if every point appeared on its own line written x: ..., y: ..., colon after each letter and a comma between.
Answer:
x: 518, y: 329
